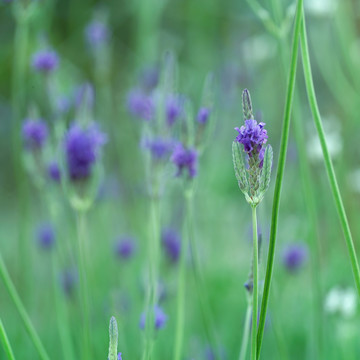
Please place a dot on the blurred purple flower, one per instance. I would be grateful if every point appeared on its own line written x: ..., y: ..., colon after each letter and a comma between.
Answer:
x: 174, y: 109
x: 253, y: 136
x: 185, y: 159
x: 96, y: 33
x: 119, y: 356
x: 35, y: 133
x: 203, y: 115
x: 54, y: 172
x: 171, y: 243
x: 82, y: 146
x: 140, y: 104
x: 45, y: 235
x: 294, y: 256
x: 45, y: 61
x: 160, y: 318
x: 160, y: 148
x: 125, y: 247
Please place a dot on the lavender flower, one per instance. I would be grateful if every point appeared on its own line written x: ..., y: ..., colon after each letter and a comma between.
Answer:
x: 96, y: 33
x: 160, y: 318
x: 35, y: 133
x: 160, y: 148
x: 140, y: 104
x: 125, y: 247
x: 203, y: 115
x: 173, y: 109
x: 294, y: 256
x: 185, y: 159
x: 46, y: 236
x: 45, y: 61
x: 53, y: 171
x: 82, y: 147
x: 119, y: 356
x: 171, y: 243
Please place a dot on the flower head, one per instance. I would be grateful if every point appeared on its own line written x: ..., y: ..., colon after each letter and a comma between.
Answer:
x: 160, y: 148
x: 171, y: 243
x: 140, y: 104
x: 46, y: 236
x: 35, y: 133
x: 125, y: 247
x: 203, y: 115
x: 253, y: 136
x: 173, y: 109
x: 119, y: 356
x: 82, y: 147
x: 45, y: 61
x: 54, y: 172
x: 160, y: 318
x: 96, y: 33
x: 185, y: 159
x: 294, y: 256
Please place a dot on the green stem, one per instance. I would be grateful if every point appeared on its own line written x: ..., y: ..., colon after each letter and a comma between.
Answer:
x: 180, y: 311
x: 245, y: 338
x: 6, y: 343
x: 280, y: 174
x: 21, y: 310
x: 255, y: 285
x: 153, y: 251
x: 327, y: 159
x: 81, y: 228
x: 199, y: 284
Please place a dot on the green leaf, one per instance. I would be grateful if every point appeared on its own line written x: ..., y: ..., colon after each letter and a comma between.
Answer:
x: 247, y: 106
x: 239, y: 167
x: 266, y: 170
x: 113, y: 334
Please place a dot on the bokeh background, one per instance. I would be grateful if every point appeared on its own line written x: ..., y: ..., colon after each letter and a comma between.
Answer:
x: 236, y: 42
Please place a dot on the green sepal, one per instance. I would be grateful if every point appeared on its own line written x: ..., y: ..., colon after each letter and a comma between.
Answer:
x: 239, y: 167
x: 266, y: 170
x: 113, y: 339
x: 247, y: 106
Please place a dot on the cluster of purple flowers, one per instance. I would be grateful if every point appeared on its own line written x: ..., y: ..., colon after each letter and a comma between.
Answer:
x: 160, y: 318
x: 45, y: 61
x: 35, y: 133
x: 174, y: 108
x: 82, y: 146
x: 160, y: 148
x: 54, y: 172
x: 185, y: 160
x: 253, y: 136
x: 203, y: 115
x: 140, y: 104
x: 171, y: 243
x: 294, y: 256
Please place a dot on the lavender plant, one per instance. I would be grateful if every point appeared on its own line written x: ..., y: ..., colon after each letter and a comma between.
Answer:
x: 253, y: 181
x: 113, y: 340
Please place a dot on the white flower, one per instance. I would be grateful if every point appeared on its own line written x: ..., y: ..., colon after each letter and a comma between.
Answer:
x: 342, y: 301
x: 321, y: 7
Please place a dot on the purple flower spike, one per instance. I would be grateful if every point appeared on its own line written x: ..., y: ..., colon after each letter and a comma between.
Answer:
x: 125, y: 247
x: 173, y: 109
x: 53, y: 171
x: 140, y: 105
x: 82, y: 147
x: 185, y: 159
x: 96, y: 33
x: 160, y: 148
x: 35, y: 133
x: 119, y: 356
x: 294, y: 256
x: 46, y: 236
x: 160, y: 318
x: 171, y: 243
x: 203, y: 115
x: 45, y: 61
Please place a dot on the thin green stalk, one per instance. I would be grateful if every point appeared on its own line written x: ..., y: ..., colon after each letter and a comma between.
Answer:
x: 180, y: 310
x: 327, y: 159
x: 6, y: 343
x: 199, y: 284
x: 255, y: 285
x: 280, y: 173
x: 153, y: 251
x: 81, y: 228
x: 245, y: 338
x: 21, y: 310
